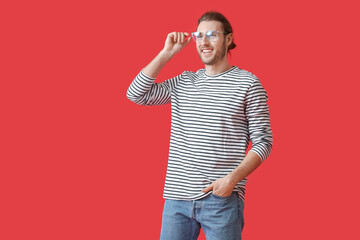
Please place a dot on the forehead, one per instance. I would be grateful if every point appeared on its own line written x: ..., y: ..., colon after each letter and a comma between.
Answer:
x: 209, y: 26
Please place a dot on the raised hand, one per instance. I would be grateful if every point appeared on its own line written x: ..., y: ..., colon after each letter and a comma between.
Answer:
x: 175, y: 42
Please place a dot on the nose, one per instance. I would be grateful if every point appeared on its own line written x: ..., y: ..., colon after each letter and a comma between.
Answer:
x: 204, y: 40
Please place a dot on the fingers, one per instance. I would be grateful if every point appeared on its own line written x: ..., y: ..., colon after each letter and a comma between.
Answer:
x: 180, y: 37
x: 208, y: 188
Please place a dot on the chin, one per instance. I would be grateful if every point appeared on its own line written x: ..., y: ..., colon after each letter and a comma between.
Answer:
x: 210, y: 61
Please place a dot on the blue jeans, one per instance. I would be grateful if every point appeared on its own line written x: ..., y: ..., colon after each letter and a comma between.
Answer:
x: 221, y: 218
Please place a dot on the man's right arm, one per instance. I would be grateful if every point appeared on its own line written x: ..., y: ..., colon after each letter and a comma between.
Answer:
x: 143, y: 90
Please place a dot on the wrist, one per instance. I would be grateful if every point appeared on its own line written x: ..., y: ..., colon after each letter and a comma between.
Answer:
x: 166, y: 54
x: 231, y: 179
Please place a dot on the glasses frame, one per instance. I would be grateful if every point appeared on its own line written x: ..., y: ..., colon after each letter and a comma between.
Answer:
x: 196, y: 39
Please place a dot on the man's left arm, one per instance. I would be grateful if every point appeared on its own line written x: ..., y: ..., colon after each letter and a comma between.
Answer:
x: 257, y: 113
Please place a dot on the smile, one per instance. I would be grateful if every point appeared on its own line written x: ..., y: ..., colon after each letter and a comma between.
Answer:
x: 206, y: 51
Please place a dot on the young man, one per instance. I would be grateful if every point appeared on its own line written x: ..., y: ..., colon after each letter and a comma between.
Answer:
x: 216, y: 111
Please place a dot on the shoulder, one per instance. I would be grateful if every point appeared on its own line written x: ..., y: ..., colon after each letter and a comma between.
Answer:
x: 254, y: 86
x: 245, y: 75
x: 238, y: 77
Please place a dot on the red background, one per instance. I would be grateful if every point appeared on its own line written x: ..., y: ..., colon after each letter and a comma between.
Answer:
x: 80, y: 161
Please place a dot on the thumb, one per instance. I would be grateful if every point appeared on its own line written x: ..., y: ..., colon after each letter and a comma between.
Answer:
x: 188, y: 40
x: 208, y: 188
x: 189, y: 37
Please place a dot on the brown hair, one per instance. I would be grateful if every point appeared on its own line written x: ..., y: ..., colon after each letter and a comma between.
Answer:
x: 216, y: 16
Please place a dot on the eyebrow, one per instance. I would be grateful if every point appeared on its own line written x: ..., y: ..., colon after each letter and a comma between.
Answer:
x: 208, y: 31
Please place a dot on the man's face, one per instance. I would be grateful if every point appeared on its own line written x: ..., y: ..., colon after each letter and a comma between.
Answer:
x: 214, y: 51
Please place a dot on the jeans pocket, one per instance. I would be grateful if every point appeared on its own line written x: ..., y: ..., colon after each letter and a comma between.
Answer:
x: 221, y: 197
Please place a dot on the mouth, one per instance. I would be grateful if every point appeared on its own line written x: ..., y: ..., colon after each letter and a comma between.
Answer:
x: 206, y: 51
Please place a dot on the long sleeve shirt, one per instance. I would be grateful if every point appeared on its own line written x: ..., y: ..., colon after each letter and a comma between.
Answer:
x: 213, y: 120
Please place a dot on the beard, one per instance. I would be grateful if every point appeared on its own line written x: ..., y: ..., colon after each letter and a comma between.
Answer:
x: 216, y: 57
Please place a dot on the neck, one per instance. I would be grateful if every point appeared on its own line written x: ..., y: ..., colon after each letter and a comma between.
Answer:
x: 217, y: 68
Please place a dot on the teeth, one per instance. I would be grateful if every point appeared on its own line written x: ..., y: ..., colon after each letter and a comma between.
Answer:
x: 206, y: 51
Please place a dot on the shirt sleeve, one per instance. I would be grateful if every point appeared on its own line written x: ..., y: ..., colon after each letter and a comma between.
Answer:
x: 144, y: 91
x: 257, y: 113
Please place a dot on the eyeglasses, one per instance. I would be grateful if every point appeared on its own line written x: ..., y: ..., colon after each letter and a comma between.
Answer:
x: 210, y: 35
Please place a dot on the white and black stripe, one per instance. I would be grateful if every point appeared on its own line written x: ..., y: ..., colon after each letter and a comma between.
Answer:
x: 213, y: 120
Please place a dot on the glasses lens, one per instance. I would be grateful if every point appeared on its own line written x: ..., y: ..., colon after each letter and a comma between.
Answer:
x: 197, y: 36
x: 211, y: 35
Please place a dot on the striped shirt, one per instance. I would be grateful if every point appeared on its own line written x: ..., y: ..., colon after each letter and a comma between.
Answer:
x: 213, y: 118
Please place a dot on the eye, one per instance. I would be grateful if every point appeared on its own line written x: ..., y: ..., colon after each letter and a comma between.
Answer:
x: 211, y: 34
x: 198, y: 35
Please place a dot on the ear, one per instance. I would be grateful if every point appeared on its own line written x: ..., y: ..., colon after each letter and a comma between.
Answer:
x: 229, y: 39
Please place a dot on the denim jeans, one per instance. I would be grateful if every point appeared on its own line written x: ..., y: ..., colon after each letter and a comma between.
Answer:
x: 221, y: 218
